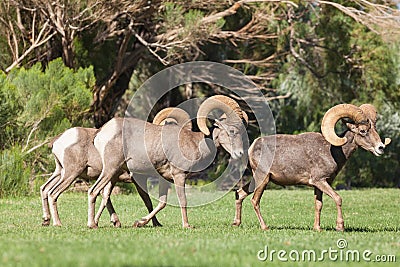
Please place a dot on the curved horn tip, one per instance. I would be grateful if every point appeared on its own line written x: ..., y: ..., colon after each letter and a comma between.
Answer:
x: 175, y: 114
x: 245, y: 118
x: 203, y: 125
x: 339, y: 141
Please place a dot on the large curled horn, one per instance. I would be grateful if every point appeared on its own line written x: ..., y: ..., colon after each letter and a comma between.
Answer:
x: 370, y: 111
x: 178, y: 115
x: 226, y: 104
x: 245, y: 117
x: 334, y: 114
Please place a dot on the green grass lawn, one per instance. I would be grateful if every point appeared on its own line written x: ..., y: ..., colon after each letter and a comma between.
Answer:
x: 372, y: 224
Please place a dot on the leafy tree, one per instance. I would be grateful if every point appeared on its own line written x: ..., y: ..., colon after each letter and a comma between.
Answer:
x: 349, y: 64
x: 116, y: 36
x: 305, y: 56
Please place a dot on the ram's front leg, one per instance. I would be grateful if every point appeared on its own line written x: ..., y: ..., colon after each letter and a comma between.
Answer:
x: 162, y: 202
x: 179, y: 180
x: 141, y: 187
x: 240, y: 195
x: 94, y: 191
x: 327, y: 189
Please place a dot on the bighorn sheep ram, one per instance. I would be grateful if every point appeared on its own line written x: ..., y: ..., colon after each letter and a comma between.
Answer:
x: 166, y: 116
x: 170, y: 151
x: 311, y: 159
x: 75, y: 156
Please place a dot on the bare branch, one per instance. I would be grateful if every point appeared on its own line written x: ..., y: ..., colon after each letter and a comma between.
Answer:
x: 36, y: 147
x: 36, y: 42
x: 148, y: 46
x: 230, y: 11
x: 270, y: 98
x: 378, y: 18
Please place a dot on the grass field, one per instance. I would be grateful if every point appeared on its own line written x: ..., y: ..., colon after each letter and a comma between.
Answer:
x: 371, y: 218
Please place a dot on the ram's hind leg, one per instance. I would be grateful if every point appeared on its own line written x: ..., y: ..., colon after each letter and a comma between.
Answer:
x: 67, y: 177
x: 318, y: 208
x: 106, y: 202
x: 44, y: 191
x: 104, y: 179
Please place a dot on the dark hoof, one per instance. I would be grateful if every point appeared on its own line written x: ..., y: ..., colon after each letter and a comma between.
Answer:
x: 156, y: 224
x: 93, y: 226
x: 117, y: 224
x: 46, y: 222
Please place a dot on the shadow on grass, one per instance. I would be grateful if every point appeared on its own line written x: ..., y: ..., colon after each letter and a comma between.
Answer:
x: 290, y: 227
x: 369, y: 229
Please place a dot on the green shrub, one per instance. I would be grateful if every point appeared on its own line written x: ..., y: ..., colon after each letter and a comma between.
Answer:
x: 35, y: 106
x: 14, y: 173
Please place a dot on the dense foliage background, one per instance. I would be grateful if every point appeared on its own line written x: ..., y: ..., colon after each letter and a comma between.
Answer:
x: 77, y: 63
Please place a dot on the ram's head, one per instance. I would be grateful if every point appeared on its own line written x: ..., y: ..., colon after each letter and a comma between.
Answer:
x: 362, y: 123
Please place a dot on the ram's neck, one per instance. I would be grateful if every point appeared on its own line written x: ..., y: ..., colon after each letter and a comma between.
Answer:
x: 350, y: 146
x: 342, y: 153
x: 194, y: 153
x: 206, y: 146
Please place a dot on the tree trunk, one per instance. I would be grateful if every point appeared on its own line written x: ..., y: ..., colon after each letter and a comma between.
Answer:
x: 105, y: 107
x: 107, y: 95
x: 68, y: 53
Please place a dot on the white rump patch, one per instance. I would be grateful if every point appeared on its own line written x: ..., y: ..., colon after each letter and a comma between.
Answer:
x: 67, y: 139
x: 106, y: 134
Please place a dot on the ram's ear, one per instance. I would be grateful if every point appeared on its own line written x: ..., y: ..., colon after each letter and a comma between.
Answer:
x: 352, y: 127
x: 218, y: 123
x: 215, y: 135
x: 361, y: 129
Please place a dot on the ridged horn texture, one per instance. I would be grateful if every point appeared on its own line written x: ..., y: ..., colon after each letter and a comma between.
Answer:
x: 370, y: 111
x: 180, y: 116
x: 244, y: 114
x: 226, y: 104
x: 245, y: 118
x: 334, y: 114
